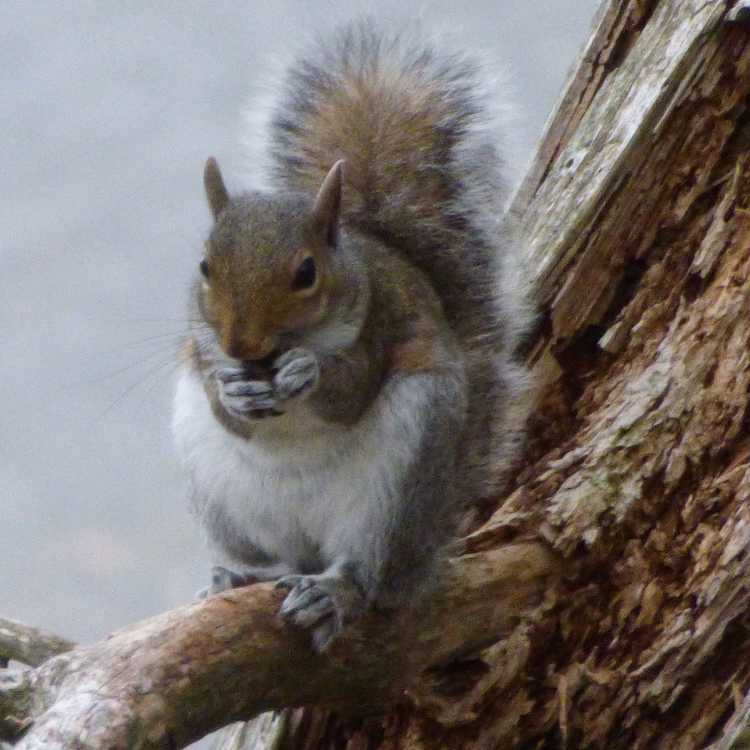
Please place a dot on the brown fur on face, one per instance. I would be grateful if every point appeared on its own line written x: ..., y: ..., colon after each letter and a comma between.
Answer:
x: 253, y: 255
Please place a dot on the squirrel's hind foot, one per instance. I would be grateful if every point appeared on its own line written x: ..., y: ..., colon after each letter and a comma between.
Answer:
x: 223, y: 579
x: 323, y: 603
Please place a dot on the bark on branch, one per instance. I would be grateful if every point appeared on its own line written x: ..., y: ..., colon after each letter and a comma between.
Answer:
x: 172, y: 679
x: 29, y: 645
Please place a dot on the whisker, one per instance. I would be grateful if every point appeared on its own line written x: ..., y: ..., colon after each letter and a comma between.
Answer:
x: 174, y: 354
x: 141, y: 381
x: 173, y: 337
x: 170, y: 371
x: 147, y: 320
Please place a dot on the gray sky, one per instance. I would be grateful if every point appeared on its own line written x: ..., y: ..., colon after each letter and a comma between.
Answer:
x: 109, y: 111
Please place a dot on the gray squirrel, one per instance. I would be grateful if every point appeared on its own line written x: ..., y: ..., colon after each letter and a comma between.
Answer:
x: 350, y: 383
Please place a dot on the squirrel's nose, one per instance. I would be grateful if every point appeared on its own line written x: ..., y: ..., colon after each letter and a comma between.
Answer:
x: 250, y: 349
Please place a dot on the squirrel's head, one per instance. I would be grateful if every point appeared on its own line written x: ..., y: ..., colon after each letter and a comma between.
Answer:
x: 267, y: 269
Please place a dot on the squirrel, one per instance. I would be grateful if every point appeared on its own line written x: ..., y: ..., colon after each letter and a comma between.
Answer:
x: 350, y: 379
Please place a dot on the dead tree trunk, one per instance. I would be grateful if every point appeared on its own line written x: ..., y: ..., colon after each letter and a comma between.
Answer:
x: 630, y: 515
x: 637, y: 215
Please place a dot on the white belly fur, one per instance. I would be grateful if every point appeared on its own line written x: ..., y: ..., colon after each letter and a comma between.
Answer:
x: 301, y: 482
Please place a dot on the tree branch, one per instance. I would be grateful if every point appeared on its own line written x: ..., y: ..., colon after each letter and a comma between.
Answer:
x: 29, y: 645
x: 16, y: 700
x: 187, y: 672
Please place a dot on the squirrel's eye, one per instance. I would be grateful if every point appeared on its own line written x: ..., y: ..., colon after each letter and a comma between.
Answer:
x: 305, y: 276
x: 204, y: 268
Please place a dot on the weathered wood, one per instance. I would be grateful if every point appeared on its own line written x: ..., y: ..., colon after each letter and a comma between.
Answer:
x: 172, y: 679
x: 29, y: 645
x: 638, y: 226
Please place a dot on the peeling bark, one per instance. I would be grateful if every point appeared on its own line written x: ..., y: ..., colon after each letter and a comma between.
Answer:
x: 635, y: 488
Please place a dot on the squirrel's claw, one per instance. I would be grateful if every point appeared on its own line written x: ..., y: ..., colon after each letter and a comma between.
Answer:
x: 308, y: 608
x: 231, y: 374
x: 252, y: 388
x: 298, y: 373
x: 223, y: 579
x: 247, y: 399
x: 323, y: 603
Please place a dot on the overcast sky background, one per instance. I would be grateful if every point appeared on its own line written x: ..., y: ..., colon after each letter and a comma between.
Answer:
x: 109, y: 111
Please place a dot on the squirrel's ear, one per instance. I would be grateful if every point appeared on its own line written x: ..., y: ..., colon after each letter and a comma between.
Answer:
x: 328, y: 204
x: 216, y: 192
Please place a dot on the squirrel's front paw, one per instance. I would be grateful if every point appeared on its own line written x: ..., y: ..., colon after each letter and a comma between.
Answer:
x: 297, y: 374
x: 246, y: 399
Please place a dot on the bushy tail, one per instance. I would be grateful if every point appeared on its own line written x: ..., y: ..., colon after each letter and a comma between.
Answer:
x: 418, y: 129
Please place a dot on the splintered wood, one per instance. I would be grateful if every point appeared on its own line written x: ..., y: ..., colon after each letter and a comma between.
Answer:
x: 640, y: 229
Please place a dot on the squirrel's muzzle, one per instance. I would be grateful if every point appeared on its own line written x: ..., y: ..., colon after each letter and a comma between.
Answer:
x: 249, y: 348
